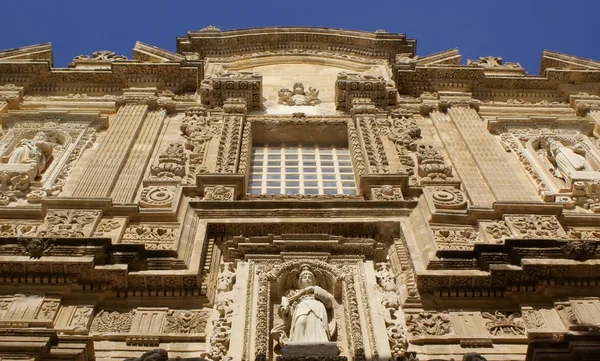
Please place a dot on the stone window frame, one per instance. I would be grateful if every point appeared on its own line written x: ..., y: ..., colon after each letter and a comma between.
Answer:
x: 357, y: 156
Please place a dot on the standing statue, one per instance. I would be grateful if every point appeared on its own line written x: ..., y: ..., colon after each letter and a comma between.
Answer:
x: 567, y: 159
x: 307, y: 312
x: 36, y: 152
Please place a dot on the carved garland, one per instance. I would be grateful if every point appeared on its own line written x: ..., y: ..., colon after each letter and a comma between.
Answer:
x: 356, y: 149
x: 378, y: 161
x: 229, y: 144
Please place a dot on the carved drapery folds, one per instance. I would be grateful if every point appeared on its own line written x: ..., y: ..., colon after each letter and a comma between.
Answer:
x: 335, y: 279
x: 350, y: 86
x: 560, y: 161
x: 38, y: 156
x: 215, y: 90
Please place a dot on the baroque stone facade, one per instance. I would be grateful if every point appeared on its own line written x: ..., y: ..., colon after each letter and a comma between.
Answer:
x: 297, y: 194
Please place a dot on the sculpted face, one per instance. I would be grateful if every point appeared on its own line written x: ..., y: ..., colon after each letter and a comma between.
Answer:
x: 299, y: 89
x: 41, y: 136
x: 306, y: 279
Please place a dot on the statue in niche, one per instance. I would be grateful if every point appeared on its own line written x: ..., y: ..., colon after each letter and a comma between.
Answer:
x: 297, y: 96
x: 307, y: 312
x: 36, y: 152
x: 567, y: 159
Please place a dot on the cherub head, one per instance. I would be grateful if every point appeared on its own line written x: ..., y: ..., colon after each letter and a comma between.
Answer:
x: 298, y: 89
x: 41, y: 137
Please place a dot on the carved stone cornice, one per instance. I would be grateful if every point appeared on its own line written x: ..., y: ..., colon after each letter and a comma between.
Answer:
x: 350, y: 86
x: 231, y: 42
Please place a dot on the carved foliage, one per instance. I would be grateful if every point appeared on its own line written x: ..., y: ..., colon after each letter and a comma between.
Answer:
x: 68, y: 223
x: 535, y: 226
x: 218, y: 193
x: 376, y: 155
x: 154, y: 237
x: 185, y: 322
x: 391, y: 306
x: 229, y: 144
x: 219, y: 341
x: 501, y: 324
x: 112, y: 322
x: 171, y: 164
x: 457, y: 239
x: 428, y: 324
x: 387, y: 193
x: 198, y: 129
x: 356, y: 148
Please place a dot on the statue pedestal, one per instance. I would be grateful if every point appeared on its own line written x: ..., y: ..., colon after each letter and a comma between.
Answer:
x: 310, y: 349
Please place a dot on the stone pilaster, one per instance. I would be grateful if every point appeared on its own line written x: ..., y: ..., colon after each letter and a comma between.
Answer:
x: 101, y: 173
x: 466, y: 167
x: 487, y: 154
x: 141, y: 150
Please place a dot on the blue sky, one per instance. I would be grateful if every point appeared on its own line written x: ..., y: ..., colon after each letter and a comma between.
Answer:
x: 518, y: 31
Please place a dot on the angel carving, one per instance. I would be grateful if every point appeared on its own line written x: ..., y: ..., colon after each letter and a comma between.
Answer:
x: 307, y: 312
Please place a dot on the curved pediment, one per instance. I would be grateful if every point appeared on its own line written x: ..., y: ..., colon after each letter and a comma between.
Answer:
x: 211, y: 41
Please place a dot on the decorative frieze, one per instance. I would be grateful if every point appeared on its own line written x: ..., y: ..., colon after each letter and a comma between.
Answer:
x: 152, y: 236
x: 535, y: 226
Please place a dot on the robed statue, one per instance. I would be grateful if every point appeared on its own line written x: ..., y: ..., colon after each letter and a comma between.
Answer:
x: 36, y: 152
x: 307, y: 312
x: 567, y: 159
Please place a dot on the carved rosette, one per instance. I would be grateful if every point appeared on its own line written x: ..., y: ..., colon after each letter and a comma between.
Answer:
x: 157, y: 197
x: 446, y: 198
x: 386, y: 193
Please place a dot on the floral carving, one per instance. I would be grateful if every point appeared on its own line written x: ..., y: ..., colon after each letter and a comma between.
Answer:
x: 229, y: 144
x: 498, y: 230
x: 48, y: 309
x: 198, y: 129
x: 101, y: 55
x: 157, y: 197
x: 356, y: 148
x: 106, y: 225
x: 501, y: 324
x: 535, y: 226
x: 428, y: 324
x: 171, y: 164
x: 185, y: 322
x: 533, y: 319
x: 387, y: 193
x: 219, y: 341
x: 391, y: 306
x: 457, y: 239
x: 35, y: 247
x: 580, y: 248
x: 154, y: 237
x: 112, y: 322
x: 404, y: 132
x: 432, y: 165
x: 378, y: 162
x: 64, y: 223
x: 218, y: 193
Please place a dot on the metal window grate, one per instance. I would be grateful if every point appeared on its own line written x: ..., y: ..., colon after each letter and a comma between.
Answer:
x: 301, y: 169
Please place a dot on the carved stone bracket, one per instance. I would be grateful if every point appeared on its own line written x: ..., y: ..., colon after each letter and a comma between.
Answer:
x: 350, y: 86
x: 227, y: 84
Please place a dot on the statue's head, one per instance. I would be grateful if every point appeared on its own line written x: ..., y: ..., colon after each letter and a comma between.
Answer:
x: 41, y: 136
x: 155, y: 355
x: 306, y: 278
x: 298, y: 89
x: 554, y: 144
